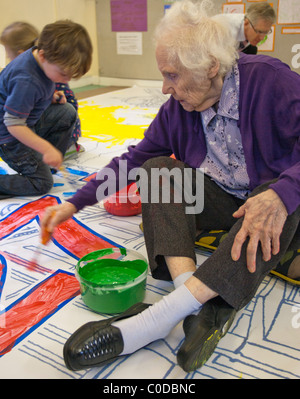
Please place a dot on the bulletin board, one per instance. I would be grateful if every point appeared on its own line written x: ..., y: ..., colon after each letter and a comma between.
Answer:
x: 125, y: 32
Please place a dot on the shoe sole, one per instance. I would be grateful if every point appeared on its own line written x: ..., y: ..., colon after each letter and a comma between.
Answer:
x: 195, y: 358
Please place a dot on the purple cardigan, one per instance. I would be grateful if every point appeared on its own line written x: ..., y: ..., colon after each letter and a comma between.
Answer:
x: 269, y: 123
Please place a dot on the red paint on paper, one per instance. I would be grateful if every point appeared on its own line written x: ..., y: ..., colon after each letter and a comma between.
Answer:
x: 43, y: 301
x: 74, y: 237
x: 26, y: 263
x: 24, y: 214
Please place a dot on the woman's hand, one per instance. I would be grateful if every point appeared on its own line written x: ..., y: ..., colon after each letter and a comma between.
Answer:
x: 264, y: 218
x: 53, y: 216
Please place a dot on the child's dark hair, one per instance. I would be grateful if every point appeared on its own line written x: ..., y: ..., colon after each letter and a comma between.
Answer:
x: 68, y: 45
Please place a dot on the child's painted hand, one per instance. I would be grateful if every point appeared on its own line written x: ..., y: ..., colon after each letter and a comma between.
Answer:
x: 59, y: 97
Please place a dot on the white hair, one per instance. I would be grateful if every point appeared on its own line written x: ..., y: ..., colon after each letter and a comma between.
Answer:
x: 194, y: 39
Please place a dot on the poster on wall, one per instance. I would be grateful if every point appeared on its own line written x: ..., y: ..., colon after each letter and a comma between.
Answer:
x: 289, y: 30
x: 234, y: 8
x: 288, y: 12
x: 128, y: 16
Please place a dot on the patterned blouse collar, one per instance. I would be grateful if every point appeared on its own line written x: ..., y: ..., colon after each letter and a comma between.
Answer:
x: 229, y: 101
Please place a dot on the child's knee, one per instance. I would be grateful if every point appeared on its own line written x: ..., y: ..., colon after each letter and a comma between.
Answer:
x: 44, y: 185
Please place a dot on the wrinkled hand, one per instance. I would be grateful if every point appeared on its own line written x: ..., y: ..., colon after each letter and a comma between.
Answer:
x: 55, y: 215
x: 264, y: 218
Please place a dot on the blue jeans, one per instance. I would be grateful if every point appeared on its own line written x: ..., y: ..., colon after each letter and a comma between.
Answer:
x: 33, y: 176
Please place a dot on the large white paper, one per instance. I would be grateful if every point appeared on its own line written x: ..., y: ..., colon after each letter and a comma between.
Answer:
x: 263, y: 341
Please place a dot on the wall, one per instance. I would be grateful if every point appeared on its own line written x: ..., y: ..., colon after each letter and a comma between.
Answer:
x: 144, y: 66
x: 95, y: 16
x: 41, y: 12
x: 127, y: 66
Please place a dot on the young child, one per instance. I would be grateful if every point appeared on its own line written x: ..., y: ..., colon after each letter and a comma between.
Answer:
x: 21, y: 36
x: 33, y: 138
x: 18, y: 37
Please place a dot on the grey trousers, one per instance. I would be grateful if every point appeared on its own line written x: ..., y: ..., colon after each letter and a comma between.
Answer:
x: 170, y: 231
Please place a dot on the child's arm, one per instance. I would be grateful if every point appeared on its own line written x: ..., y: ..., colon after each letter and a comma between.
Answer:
x: 51, y: 156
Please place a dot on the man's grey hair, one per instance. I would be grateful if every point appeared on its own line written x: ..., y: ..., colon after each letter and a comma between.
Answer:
x: 260, y: 11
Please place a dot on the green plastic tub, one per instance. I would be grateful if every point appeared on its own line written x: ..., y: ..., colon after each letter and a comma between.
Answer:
x: 112, y: 279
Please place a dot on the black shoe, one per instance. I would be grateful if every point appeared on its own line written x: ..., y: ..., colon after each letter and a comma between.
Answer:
x: 98, y: 342
x: 203, y: 332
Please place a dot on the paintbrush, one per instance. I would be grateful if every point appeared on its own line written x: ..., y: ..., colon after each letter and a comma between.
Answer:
x: 64, y: 172
x: 45, y: 238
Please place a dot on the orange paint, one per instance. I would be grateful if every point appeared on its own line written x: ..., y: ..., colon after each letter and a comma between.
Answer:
x: 46, y: 236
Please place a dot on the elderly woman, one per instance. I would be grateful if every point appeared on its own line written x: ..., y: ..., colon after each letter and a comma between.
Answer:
x: 238, y: 120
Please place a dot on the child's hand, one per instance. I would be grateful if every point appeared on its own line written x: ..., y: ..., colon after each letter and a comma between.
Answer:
x: 59, y: 97
x: 53, y: 157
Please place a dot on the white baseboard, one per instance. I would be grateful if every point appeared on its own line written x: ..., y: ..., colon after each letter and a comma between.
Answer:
x: 106, y: 81
x: 84, y: 81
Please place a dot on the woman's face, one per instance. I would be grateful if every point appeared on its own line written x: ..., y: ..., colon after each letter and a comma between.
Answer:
x: 193, y: 95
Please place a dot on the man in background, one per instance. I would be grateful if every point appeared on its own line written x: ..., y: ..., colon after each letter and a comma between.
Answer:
x: 251, y: 28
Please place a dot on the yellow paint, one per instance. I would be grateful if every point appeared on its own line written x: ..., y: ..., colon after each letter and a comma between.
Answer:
x: 212, y: 335
x: 104, y: 125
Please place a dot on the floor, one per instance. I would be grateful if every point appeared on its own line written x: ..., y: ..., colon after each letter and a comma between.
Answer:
x: 41, y: 307
x: 94, y: 90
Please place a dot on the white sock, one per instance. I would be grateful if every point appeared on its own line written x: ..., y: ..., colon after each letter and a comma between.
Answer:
x: 181, y: 279
x: 158, y: 320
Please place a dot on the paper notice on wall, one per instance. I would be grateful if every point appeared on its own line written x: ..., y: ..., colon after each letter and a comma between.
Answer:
x: 129, y: 43
x: 233, y: 8
x: 288, y: 11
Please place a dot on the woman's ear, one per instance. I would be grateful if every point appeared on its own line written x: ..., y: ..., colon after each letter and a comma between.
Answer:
x: 214, y: 69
